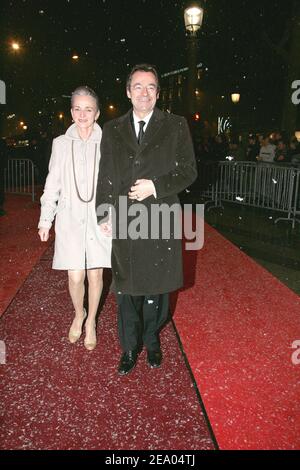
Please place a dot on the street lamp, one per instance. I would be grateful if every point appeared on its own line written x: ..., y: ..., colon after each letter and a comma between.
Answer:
x: 297, y: 135
x: 235, y: 98
x: 193, y: 18
x: 15, y: 46
x: 61, y: 121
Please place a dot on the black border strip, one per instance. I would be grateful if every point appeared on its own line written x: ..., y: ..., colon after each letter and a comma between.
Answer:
x: 212, y: 434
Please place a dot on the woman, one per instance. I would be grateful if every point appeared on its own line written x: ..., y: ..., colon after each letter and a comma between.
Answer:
x: 69, y: 194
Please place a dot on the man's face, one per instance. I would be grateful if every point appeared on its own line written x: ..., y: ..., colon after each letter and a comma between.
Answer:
x: 265, y: 141
x: 143, y: 92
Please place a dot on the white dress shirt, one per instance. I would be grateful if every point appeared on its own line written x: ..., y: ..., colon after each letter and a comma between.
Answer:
x: 146, y: 120
x: 136, y: 121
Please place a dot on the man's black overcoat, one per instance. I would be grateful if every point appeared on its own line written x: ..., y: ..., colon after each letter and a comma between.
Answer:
x: 166, y: 156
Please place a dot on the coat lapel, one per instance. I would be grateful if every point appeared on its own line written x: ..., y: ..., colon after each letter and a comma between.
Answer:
x: 153, y: 127
x: 128, y: 135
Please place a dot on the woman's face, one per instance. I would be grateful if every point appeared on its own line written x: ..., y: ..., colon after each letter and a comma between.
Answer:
x: 84, y: 111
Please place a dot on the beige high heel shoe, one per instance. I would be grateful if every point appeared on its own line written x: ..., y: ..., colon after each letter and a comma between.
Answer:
x: 75, y: 334
x: 90, y: 343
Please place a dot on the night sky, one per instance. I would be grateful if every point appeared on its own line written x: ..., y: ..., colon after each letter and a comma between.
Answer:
x: 112, y: 35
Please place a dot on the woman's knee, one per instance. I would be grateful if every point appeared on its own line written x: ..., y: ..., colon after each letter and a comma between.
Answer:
x: 95, y: 276
x: 76, y: 278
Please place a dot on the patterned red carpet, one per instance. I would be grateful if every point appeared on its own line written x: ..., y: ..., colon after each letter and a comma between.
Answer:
x: 236, y: 323
x: 60, y: 396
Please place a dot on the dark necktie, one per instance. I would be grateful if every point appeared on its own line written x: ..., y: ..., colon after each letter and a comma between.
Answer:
x: 141, y: 132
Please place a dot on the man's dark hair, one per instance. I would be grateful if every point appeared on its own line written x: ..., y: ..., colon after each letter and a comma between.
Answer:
x: 282, y: 141
x: 142, y: 68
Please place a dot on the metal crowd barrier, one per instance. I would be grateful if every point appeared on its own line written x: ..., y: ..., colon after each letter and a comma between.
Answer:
x: 19, y: 177
x: 264, y: 185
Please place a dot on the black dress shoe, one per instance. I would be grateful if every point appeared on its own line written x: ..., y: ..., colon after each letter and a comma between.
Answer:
x: 154, y: 358
x: 127, y: 362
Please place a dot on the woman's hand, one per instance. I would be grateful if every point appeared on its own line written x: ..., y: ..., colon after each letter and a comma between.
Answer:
x: 43, y: 234
x: 106, y: 229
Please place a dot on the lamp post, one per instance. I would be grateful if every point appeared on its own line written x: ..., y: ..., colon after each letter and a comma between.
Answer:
x: 193, y: 17
x: 61, y: 120
x: 235, y: 98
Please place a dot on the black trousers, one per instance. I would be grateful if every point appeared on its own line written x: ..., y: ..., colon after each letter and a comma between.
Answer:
x: 140, y: 319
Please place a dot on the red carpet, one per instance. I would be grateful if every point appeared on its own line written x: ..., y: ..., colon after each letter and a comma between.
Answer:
x: 60, y: 396
x: 237, y: 325
x: 20, y: 246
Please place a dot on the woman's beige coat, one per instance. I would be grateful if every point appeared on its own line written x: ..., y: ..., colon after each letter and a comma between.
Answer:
x: 79, y: 244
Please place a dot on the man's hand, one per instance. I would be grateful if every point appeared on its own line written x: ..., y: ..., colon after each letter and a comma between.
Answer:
x: 43, y: 234
x: 141, y: 190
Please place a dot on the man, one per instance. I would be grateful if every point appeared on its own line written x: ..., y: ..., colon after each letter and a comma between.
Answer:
x: 253, y: 148
x: 147, y: 157
x: 267, y: 151
x: 281, y: 152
